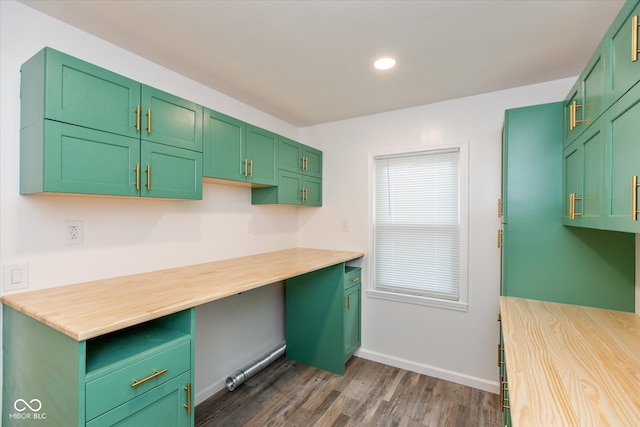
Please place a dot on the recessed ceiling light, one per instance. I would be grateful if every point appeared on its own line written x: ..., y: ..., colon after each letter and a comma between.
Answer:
x: 384, y: 63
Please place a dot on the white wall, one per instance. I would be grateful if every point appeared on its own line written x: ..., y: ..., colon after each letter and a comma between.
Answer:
x: 443, y: 343
x: 124, y: 236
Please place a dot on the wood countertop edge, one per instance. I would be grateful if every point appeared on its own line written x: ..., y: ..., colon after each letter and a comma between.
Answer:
x: 193, y: 296
x: 570, y: 365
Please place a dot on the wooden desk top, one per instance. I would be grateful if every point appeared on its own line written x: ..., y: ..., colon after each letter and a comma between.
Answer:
x: 90, y: 309
x: 569, y: 365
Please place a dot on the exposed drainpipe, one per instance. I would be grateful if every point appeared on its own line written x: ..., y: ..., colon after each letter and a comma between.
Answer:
x: 241, y: 375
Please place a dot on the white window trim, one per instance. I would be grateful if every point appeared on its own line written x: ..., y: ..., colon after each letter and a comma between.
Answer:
x: 463, y: 303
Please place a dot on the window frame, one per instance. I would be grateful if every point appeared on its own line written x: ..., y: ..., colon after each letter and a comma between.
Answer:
x: 462, y: 304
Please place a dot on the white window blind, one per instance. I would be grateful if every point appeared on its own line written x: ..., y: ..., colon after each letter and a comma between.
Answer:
x: 417, y: 224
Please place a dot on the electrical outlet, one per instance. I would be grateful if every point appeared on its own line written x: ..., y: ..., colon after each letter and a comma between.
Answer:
x: 73, y: 233
x: 345, y: 226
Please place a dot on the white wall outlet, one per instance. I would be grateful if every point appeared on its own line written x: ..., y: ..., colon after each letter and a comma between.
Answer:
x: 15, y: 276
x: 73, y: 232
x: 345, y: 226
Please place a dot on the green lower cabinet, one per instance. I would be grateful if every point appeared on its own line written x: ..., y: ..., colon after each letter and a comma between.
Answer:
x: 168, y: 404
x: 293, y: 189
x: 352, y: 299
x: 315, y: 318
x: 622, y: 132
x: 141, y: 375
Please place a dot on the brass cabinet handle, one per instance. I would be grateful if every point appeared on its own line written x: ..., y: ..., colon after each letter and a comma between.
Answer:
x: 245, y: 167
x: 138, y: 117
x: 137, y: 169
x: 573, y: 112
x: 149, y: 177
x: 634, y: 198
x: 155, y: 374
x: 348, y: 302
x: 355, y: 280
x: 302, y: 163
x: 500, y: 236
x: 251, y: 168
x: 572, y: 206
x: 500, y: 362
x: 149, y: 120
x: 188, y: 405
x: 306, y: 163
x: 634, y: 38
x: 500, y: 208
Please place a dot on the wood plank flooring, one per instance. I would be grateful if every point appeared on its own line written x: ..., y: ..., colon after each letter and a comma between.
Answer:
x: 369, y: 394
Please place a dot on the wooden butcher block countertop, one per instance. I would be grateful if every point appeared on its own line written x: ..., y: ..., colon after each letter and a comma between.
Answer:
x: 570, y: 365
x: 90, y: 309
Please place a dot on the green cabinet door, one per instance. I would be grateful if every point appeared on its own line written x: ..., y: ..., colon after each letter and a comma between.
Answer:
x: 584, y: 177
x: 290, y: 156
x: 622, y: 130
x: 60, y: 87
x: 170, y: 120
x: 351, y: 321
x: 572, y: 113
x: 224, y: 147
x: 72, y: 159
x: 312, y: 191
x: 170, y: 172
x: 312, y: 162
x: 624, y: 65
x: 169, y: 404
x: 261, y: 155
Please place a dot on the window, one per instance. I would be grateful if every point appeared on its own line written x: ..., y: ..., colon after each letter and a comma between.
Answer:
x: 419, y: 227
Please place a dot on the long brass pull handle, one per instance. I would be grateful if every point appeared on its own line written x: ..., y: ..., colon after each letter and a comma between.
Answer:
x: 572, y: 115
x: 634, y: 38
x: 155, y: 374
x: 306, y: 194
x: 245, y: 167
x: 138, y: 118
x: 355, y: 280
x: 500, y: 242
x: 306, y: 163
x: 634, y: 198
x: 302, y: 163
x: 500, y: 362
x: 348, y: 302
x: 302, y: 194
x: 188, y: 405
x: 251, y: 168
x: 137, y: 169
x: 572, y: 206
x: 500, y: 208
x: 149, y: 120
x: 149, y: 177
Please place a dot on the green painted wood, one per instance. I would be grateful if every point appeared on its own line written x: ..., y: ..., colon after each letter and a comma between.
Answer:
x: 289, y: 155
x: 352, y: 315
x: 314, y: 318
x: 57, y: 157
x: 572, y: 179
x: 593, y: 88
x: 60, y: 87
x: 164, y: 405
x: 175, y: 172
x: 224, y: 146
x: 622, y: 72
x: 108, y: 391
x: 542, y: 259
x: 262, y: 151
x: 622, y: 132
x: 174, y: 120
x: 314, y: 161
x: 41, y: 363
x: 313, y: 188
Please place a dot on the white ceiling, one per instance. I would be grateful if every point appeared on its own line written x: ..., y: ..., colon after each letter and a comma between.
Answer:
x: 309, y: 62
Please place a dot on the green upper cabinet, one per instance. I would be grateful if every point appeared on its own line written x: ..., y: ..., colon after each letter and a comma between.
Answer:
x: 170, y: 120
x: 296, y: 157
x: 87, y: 130
x: 623, y: 52
x: 299, y: 177
x: 622, y: 177
x: 583, y: 171
x: 237, y: 151
x: 60, y: 87
x: 262, y: 155
x: 585, y: 102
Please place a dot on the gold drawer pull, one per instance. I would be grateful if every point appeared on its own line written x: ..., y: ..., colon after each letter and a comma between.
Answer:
x: 149, y: 121
x: 188, y: 405
x: 138, y: 117
x: 572, y: 206
x: 634, y: 198
x: 634, y: 38
x: 355, y: 280
x: 349, y: 302
x: 136, y: 383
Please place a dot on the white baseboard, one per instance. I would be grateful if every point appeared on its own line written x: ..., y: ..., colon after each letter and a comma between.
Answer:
x: 432, y: 371
x: 206, y: 393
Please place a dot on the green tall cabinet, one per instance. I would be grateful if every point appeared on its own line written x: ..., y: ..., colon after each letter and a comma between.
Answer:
x: 541, y: 258
x: 88, y: 130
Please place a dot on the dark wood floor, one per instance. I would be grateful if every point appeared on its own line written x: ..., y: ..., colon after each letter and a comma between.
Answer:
x: 369, y: 394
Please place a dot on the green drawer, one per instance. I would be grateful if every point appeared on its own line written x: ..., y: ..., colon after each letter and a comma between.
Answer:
x: 115, y: 388
x: 351, y: 277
